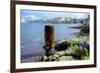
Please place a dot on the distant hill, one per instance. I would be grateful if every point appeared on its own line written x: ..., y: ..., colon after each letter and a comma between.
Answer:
x: 56, y: 20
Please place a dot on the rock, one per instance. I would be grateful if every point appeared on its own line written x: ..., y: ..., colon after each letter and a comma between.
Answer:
x: 58, y: 56
x: 84, y: 44
x: 62, y: 46
x: 66, y: 58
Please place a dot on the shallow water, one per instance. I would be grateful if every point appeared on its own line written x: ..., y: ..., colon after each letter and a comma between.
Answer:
x: 32, y: 36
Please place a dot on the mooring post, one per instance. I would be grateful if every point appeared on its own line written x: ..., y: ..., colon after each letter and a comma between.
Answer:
x: 49, y: 39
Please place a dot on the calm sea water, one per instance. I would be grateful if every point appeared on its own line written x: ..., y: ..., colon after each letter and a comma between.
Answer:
x: 32, y: 36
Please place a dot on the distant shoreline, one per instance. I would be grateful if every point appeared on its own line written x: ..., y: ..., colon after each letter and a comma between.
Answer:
x: 51, y: 23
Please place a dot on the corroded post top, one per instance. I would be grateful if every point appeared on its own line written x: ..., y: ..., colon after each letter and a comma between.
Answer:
x: 49, y: 35
x: 49, y: 39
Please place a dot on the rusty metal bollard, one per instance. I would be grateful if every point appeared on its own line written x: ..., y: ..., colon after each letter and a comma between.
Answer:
x: 49, y: 40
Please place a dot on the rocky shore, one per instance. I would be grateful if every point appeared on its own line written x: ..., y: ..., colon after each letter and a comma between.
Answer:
x: 66, y: 50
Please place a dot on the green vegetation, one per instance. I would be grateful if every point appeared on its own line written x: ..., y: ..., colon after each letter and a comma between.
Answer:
x: 75, y: 48
x: 84, y: 29
x: 79, y: 52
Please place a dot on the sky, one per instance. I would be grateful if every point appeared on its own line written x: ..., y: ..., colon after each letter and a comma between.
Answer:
x: 27, y: 15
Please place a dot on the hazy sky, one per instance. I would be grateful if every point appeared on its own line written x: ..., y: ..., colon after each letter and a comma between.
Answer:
x: 34, y: 15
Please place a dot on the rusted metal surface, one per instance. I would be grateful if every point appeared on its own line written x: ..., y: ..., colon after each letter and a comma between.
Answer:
x: 49, y: 39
